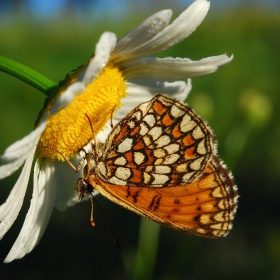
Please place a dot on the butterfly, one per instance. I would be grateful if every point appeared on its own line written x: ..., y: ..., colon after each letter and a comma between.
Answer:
x: 160, y: 161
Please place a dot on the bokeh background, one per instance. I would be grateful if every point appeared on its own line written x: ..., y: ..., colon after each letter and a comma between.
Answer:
x: 240, y: 102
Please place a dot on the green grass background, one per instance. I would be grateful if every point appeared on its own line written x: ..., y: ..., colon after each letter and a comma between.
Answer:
x: 240, y: 102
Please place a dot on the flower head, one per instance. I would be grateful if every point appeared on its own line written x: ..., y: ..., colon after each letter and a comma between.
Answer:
x: 117, y: 78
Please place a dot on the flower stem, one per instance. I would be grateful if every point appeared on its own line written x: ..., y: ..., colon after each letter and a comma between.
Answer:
x: 27, y: 75
x: 147, y: 250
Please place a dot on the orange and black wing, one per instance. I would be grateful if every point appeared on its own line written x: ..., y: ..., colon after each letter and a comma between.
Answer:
x: 159, y: 143
x: 204, y: 207
x: 160, y: 162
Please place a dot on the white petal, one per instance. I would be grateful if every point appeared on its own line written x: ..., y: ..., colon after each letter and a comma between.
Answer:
x: 174, y: 33
x: 67, y: 97
x: 23, y: 147
x: 9, y: 168
x: 103, y: 134
x: 142, y: 91
x: 178, y: 90
x: 10, y: 209
x: 103, y: 49
x: 143, y: 33
x: 152, y: 68
x: 65, y: 178
x: 37, y: 218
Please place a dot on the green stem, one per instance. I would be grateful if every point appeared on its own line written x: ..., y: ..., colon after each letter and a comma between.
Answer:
x: 27, y: 75
x: 147, y: 250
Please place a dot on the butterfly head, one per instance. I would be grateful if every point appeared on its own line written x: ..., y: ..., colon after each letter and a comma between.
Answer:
x: 83, y: 188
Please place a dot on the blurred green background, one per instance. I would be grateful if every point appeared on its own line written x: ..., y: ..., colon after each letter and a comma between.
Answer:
x: 240, y: 102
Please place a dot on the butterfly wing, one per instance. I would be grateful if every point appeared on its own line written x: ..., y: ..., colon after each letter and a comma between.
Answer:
x: 159, y: 161
x: 204, y: 207
x: 160, y: 143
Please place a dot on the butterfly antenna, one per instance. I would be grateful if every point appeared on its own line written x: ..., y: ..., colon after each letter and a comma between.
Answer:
x: 77, y: 169
x: 107, y: 222
x: 93, y: 135
x: 111, y: 118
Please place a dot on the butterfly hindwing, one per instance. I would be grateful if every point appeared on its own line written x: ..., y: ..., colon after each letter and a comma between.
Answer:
x: 204, y: 207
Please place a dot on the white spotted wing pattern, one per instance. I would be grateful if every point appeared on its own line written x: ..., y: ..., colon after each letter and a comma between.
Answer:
x: 160, y: 162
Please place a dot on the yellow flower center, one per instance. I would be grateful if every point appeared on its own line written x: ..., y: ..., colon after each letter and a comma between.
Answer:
x: 69, y: 130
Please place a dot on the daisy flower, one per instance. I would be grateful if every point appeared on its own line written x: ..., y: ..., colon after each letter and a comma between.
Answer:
x: 117, y: 78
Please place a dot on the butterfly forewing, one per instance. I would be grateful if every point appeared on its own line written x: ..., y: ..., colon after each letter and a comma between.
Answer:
x: 160, y: 143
